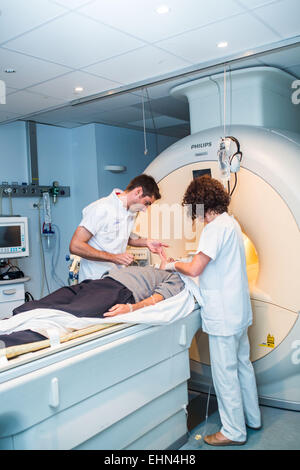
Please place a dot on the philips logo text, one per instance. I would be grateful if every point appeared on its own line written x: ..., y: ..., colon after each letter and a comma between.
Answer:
x: 201, y: 146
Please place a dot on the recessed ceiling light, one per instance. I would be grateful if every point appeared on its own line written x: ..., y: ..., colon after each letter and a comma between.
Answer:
x: 162, y: 9
x: 78, y: 89
x: 222, y: 44
x: 9, y: 70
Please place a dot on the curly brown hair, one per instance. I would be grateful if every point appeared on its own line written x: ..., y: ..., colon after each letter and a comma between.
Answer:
x: 207, y: 191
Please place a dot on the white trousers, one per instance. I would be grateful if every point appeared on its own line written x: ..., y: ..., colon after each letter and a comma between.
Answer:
x: 234, y: 383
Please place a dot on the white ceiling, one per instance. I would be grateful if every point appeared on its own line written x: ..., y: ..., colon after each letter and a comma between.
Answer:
x: 103, y: 45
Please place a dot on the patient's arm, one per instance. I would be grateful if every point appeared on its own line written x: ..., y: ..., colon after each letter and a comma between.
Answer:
x: 164, y: 260
x: 119, y: 309
x: 195, y: 267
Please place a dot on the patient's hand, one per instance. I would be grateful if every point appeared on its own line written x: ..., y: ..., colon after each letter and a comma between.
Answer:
x: 165, y: 261
x: 117, y: 309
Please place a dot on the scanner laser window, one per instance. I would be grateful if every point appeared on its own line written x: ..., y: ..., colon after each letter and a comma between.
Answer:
x: 252, y: 262
x: 205, y: 171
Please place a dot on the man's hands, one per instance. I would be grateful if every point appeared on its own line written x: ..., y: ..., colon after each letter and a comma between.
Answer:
x: 155, y: 246
x: 79, y: 246
x: 123, y: 258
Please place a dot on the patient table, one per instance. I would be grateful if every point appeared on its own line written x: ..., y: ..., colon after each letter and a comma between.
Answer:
x: 124, y: 387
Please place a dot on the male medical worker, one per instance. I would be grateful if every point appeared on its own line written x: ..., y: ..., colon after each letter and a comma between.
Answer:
x: 106, y: 228
x: 226, y: 312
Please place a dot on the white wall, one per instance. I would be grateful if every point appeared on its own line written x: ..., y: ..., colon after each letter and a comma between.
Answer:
x: 13, y: 154
x: 119, y: 146
x: 84, y: 169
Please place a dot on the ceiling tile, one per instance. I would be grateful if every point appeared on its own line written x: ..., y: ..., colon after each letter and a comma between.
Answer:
x: 19, y: 16
x: 71, y: 4
x: 74, y: 41
x: 24, y: 102
x: 251, y: 4
x: 283, y: 16
x: 28, y: 69
x: 63, y: 87
x: 53, y: 40
x: 242, y: 33
x: 140, y: 18
x: 138, y: 65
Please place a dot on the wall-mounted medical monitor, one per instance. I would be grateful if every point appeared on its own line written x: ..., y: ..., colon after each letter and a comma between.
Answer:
x: 14, y: 241
x: 205, y: 171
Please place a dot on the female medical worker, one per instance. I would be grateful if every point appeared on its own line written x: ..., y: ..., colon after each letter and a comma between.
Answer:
x: 105, y: 229
x: 226, y: 313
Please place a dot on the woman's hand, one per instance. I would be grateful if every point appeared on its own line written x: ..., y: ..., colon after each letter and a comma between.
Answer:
x: 117, y: 309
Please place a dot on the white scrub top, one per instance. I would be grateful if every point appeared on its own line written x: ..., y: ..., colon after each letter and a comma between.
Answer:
x: 111, y: 224
x: 224, y: 283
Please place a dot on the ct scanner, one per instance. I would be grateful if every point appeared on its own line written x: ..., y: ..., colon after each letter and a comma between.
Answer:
x: 266, y: 202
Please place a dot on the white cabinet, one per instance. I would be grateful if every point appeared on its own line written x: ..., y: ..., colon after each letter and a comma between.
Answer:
x: 12, y: 294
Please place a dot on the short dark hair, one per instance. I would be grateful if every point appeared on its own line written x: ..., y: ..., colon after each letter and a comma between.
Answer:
x: 148, y: 185
x: 209, y: 192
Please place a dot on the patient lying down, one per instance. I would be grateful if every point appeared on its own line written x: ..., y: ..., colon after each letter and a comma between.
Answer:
x: 119, y: 292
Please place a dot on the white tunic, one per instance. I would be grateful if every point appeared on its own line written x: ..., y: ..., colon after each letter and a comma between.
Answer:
x: 110, y: 224
x: 223, y: 283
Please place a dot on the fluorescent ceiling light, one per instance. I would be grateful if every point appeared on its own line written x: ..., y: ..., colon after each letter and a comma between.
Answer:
x: 222, y: 44
x: 78, y: 89
x: 162, y: 9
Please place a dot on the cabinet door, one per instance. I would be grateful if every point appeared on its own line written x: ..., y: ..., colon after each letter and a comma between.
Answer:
x: 11, y: 296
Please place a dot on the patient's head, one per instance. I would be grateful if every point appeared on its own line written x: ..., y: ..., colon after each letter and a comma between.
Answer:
x: 208, y: 192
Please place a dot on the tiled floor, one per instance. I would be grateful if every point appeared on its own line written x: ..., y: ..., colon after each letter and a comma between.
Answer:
x: 280, y: 431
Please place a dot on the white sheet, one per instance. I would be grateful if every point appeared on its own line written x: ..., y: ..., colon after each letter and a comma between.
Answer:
x: 54, y: 323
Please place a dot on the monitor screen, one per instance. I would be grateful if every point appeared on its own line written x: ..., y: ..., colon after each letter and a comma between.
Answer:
x: 10, y: 236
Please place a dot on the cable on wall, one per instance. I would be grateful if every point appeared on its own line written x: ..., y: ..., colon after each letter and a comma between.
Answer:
x: 152, y: 117
x: 144, y: 125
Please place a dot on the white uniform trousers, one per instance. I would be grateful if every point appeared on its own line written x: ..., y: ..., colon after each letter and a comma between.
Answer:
x: 234, y: 383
